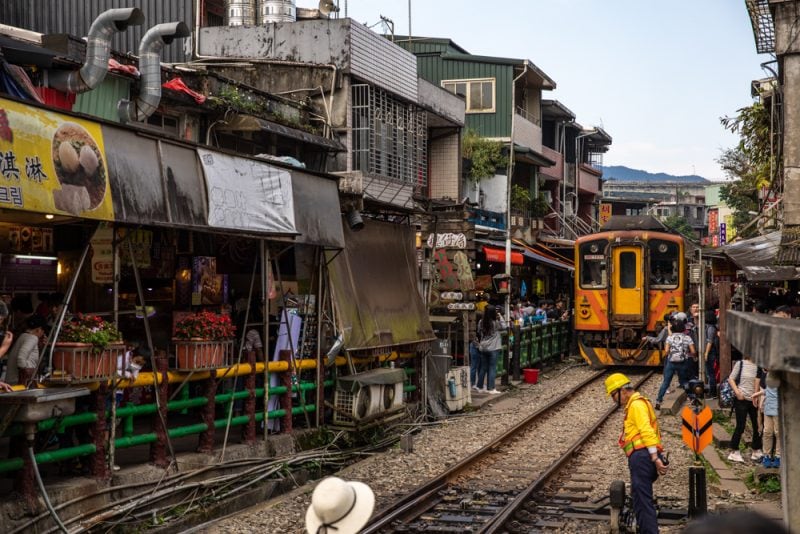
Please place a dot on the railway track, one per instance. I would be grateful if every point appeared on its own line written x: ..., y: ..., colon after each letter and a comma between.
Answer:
x: 492, y: 490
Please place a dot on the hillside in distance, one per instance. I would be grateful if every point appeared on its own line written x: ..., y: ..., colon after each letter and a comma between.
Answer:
x: 626, y: 174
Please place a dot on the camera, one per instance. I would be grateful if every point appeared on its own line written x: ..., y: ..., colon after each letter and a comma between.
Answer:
x: 696, y: 389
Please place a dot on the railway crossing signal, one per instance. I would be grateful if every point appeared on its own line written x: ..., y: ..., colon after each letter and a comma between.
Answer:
x: 696, y: 428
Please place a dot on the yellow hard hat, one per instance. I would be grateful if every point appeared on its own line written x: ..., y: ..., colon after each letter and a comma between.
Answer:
x: 616, y: 381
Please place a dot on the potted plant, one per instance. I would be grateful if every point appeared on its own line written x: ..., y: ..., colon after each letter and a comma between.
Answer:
x: 86, y: 350
x: 203, y: 340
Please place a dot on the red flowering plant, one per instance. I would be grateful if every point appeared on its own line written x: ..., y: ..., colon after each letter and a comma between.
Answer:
x: 205, y: 325
x: 91, y: 329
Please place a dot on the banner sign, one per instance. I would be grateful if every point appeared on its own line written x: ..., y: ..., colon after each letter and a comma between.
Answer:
x: 713, y: 221
x: 723, y: 235
x: 52, y: 163
x: 605, y: 213
x: 245, y: 194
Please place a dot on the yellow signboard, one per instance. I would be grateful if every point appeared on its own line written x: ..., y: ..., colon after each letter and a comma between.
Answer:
x: 52, y: 163
x: 605, y: 213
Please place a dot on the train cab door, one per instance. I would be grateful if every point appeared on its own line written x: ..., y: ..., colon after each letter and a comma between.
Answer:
x: 627, y: 288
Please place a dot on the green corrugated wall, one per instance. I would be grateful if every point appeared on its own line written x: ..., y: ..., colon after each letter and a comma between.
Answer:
x: 431, y: 67
x: 102, y: 100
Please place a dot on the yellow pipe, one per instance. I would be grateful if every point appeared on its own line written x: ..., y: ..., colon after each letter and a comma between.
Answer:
x: 175, y: 377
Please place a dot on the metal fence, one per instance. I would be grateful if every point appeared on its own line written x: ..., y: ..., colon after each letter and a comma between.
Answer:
x: 532, y: 346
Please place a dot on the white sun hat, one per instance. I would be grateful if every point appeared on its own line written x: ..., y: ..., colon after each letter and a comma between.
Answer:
x: 339, y: 507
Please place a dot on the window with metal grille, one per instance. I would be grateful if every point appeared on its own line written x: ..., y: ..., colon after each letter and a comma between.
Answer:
x: 390, y: 137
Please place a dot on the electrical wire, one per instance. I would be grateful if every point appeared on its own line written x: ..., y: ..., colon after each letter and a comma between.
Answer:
x: 32, y: 458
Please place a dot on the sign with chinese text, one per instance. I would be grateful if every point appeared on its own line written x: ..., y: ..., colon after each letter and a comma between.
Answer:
x: 723, y: 235
x: 730, y: 228
x: 605, y: 213
x: 713, y: 221
x: 52, y: 163
x: 103, y: 255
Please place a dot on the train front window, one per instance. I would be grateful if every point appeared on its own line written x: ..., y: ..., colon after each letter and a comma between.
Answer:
x: 664, y: 270
x: 627, y: 270
x: 593, y: 264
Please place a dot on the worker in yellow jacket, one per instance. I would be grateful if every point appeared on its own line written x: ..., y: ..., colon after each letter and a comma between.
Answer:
x: 641, y: 441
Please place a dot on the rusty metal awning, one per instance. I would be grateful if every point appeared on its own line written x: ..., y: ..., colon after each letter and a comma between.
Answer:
x: 374, y: 289
x: 248, y: 123
x: 756, y: 257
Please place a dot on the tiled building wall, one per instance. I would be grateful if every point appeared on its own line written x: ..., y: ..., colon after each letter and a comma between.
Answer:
x: 445, y: 168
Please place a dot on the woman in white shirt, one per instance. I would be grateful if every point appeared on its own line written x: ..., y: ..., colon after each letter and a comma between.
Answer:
x: 744, y: 378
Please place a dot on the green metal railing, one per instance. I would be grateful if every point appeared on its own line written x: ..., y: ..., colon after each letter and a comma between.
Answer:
x: 127, y: 436
x: 532, y: 346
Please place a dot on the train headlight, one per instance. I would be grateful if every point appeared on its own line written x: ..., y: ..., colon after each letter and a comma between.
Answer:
x: 585, y: 313
x: 662, y: 248
x: 594, y: 249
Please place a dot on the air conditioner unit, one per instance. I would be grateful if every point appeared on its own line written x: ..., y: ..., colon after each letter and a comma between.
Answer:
x: 392, y: 397
x: 366, y: 396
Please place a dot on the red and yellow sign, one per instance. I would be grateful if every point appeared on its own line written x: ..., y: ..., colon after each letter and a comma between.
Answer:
x: 696, y: 428
x: 605, y: 213
x: 52, y: 163
x: 713, y: 221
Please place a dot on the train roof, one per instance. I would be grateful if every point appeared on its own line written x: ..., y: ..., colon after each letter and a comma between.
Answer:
x: 636, y: 222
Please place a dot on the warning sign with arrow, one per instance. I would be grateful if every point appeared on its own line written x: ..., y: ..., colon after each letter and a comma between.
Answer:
x: 696, y: 428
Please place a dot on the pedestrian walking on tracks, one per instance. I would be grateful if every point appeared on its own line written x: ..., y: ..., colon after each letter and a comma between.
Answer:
x: 641, y: 441
x: 490, y: 347
x: 339, y: 507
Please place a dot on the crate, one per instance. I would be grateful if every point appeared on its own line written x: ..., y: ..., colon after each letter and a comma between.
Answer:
x: 203, y: 355
x: 75, y: 363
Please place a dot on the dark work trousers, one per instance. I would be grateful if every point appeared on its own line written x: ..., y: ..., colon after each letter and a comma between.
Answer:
x: 742, y: 409
x: 643, y: 474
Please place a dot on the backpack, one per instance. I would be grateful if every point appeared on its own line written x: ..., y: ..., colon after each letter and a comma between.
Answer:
x: 677, y: 348
x: 726, y: 393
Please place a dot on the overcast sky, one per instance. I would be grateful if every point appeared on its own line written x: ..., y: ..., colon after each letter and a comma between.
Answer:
x: 656, y: 75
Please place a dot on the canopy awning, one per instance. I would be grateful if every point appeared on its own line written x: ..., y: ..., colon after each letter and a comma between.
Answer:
x: 120, y: 175
x: 374, y: 289
x: 530, y: 254
x: 756, y: 257
x: 523, y: 153
x: 498, y: 255
x: 248, y: 123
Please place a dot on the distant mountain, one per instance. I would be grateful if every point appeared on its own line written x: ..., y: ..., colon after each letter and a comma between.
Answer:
x: 626, y: 174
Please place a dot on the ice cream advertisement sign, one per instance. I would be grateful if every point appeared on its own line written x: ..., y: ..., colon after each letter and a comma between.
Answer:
x: 52, y: 163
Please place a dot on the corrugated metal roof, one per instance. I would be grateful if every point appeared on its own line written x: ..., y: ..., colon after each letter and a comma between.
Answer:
x: 76, y: 16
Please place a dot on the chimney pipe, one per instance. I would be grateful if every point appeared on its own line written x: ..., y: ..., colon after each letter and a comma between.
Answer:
x: 150, y: 68
x: 98, y: 50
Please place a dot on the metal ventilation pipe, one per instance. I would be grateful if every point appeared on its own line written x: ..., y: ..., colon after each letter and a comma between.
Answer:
x: 150, y: 68
x: 98, y: 50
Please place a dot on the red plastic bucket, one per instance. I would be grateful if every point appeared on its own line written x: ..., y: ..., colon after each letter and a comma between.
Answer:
x: 531, y: 376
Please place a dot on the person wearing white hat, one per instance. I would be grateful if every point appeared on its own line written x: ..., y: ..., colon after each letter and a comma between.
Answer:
x: 339, y: 507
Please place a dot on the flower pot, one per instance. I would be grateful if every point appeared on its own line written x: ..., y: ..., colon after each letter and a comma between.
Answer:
x: 80, y: 362
x: 200, y: 354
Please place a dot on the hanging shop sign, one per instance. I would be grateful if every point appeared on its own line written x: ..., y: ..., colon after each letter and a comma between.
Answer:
x: 713, y: 221
x: 52, y: 163
x: 103, y: 255
x: 448, y: 240
x: 605, y: 213
x: 245, y: 194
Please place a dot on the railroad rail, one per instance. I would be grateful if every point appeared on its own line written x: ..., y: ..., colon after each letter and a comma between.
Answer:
x: 487, y: 490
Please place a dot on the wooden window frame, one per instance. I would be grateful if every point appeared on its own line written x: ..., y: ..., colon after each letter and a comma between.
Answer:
x: 469, y: 82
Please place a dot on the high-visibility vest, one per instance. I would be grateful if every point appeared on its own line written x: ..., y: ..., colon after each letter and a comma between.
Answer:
x: 636, y: 442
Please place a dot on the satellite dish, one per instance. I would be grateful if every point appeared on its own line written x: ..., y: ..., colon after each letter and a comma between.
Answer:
x: 326, y: 7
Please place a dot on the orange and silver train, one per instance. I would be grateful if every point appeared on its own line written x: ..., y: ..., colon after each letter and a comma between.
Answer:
x: 625, y: 282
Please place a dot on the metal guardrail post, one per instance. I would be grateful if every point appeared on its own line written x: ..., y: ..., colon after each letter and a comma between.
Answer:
x: 516, y: 355
x: 98, y: 465
x: 286, y: 398
x: 206, y: 439
x: 250, y: 403
x: 158, y: 449
x: 505, y: 360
